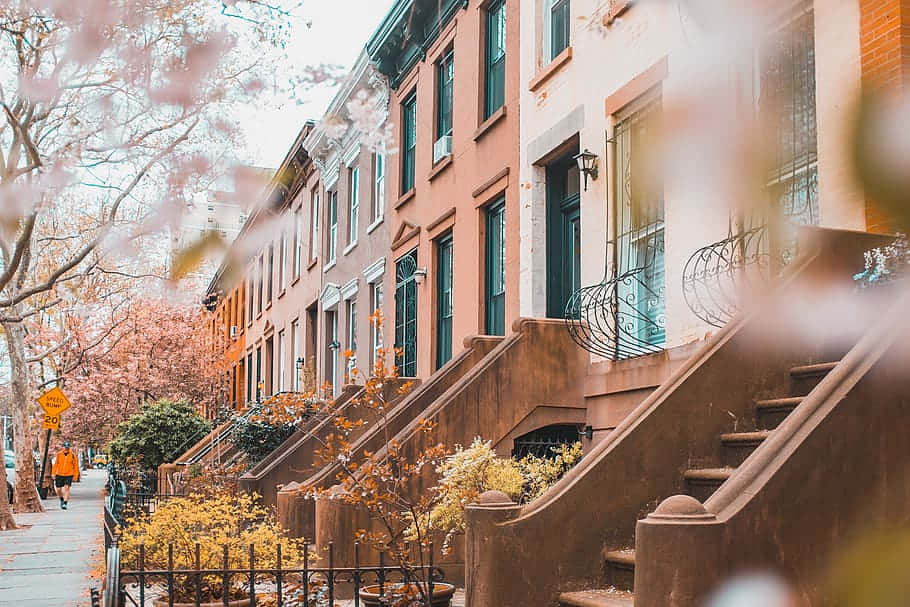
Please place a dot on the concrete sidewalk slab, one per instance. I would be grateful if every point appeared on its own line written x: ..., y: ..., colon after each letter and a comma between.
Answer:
x: 49, y: 563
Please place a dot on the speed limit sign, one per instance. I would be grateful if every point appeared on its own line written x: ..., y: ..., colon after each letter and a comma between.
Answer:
x: 51, y: 422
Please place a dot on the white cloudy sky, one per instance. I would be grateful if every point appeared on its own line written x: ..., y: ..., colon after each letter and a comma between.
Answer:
x: 340, y: 28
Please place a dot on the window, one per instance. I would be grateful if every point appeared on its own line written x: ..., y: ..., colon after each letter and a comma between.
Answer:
x: 295, y: 337
x: 333, y: 225
x: 556, y: 28
x: 271, y: 272
x: 250, y: 287
x: 406, y: 315
x: 249, y: 377
x: 241, y: 309
x: 298, y: 242
x: 378, y: 186
x: 280, y: 366
x: 445, y: 72
x: 376, y: 336
x: 258, y: 374
x: 314, y: 226
x: 495, y: 58
x: 352, y: 325
x: 409, y: 131
x: 352, y: 335
x: 282, y: 259
x: 354, y: 183
x: 261, y: 278
x: 332, y: 348
x: 443, y: 300
x: 496, y: 268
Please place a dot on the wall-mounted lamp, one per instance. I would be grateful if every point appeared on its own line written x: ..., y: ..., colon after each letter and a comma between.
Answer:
x: 300, y: 362
x: 588, y: 432
x: 420, y: 274
x: 587, y: 164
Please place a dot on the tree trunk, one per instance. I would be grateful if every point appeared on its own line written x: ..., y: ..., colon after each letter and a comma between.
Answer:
x: 26, y: 497
x: 6, y: 514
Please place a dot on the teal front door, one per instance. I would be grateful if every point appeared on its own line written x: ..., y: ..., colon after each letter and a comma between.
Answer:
x: 563, y: 235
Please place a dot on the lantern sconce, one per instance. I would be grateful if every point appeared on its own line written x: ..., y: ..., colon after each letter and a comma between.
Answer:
x: 587, y: 164
x: 420, y: 274
x: 300, y: 363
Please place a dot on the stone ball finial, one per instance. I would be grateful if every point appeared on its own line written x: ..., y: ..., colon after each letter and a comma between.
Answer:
x: 494, y: 498
x: 681, y: 506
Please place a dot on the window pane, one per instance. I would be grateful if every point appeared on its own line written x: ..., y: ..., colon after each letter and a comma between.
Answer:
x: 495, y: 58
x: 445, y: 72
x: 410, y: 143
x: 355, y: 204
x: 559, y: 27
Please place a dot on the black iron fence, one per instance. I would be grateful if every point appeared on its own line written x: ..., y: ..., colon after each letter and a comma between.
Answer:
x: 280, y: 584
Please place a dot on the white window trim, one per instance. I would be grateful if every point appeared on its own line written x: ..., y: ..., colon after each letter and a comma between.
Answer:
x: 375, y: 224
x: 350, y: 288
x: 373, y: 272
x: 331, y: 295
x: 349, y: 248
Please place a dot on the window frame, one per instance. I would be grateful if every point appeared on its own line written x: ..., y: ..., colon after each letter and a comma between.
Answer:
x: 314, y: 225
x: 353, y: 203
x: 376, y: 302
x: 379, y: 167
x: 409, y: 148
x: 496, y: 209
x: 445, y: 89
x: 332, y: 217
x: 298, y: 242
x: 445, y: 249
x: 492, y: 17
x: 550, y: 7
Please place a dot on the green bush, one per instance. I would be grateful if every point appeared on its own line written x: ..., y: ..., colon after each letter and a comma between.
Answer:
x: 152, y: 436
x: 257, y: 439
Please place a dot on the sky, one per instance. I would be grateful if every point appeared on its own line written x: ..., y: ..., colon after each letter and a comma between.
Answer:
x: 340, y: 29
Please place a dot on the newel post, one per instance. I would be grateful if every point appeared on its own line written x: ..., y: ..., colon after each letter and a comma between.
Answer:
x: 486, y: 546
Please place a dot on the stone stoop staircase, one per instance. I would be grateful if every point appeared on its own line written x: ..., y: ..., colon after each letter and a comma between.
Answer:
x: 701, y: 483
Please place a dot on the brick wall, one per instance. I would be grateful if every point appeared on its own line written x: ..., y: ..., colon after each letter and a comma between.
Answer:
x: 885, y: 58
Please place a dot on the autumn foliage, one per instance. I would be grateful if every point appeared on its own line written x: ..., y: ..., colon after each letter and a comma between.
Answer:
x: 158, y: 351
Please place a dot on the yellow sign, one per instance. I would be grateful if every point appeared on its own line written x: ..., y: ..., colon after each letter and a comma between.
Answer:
x: 51, y: 422
x: 54, y: 402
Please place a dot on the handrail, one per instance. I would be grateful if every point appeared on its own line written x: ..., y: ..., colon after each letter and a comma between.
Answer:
x: 852, y: 367
x: 232, y: 427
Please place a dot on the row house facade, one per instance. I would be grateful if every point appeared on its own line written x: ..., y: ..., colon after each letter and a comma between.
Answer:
x: 294, y: 296
x: 453, y: 183
x: 594, y: 208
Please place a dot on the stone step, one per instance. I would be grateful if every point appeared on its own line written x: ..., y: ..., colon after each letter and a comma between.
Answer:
x: 769, y: 413
x: 703, y: 482
x: 619, y: 568
x: 740, y: 445
x: 599, y: 597
x: 804, y: 378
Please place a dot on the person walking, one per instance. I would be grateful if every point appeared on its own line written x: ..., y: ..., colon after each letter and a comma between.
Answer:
x: 66, y: 468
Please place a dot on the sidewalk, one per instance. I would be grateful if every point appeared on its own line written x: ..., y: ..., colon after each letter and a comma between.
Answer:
x: 48, y: 564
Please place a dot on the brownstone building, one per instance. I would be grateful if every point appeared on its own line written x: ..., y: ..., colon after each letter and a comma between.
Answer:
x: 453, y: 183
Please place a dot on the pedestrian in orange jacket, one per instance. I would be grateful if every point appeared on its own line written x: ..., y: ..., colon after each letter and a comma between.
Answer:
x: 66, y: 468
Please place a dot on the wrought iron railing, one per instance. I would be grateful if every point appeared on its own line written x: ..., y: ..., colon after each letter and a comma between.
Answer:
x: 718, y: 276
x: 281, y: 584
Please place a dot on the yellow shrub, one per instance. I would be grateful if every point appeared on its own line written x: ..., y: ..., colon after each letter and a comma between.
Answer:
x: 213, y: 522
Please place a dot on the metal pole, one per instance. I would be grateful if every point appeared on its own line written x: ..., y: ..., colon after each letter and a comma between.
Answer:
x: 47, y: 443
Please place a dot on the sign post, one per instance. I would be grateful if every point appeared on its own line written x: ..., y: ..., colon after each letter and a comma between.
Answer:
x: 54, y: 402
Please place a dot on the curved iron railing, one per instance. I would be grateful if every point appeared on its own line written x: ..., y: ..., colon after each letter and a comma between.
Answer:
x: 718, y: 276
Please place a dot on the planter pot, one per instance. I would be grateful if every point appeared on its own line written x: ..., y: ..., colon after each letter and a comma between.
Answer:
x: 162, y: 602
x: 442, y: 594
